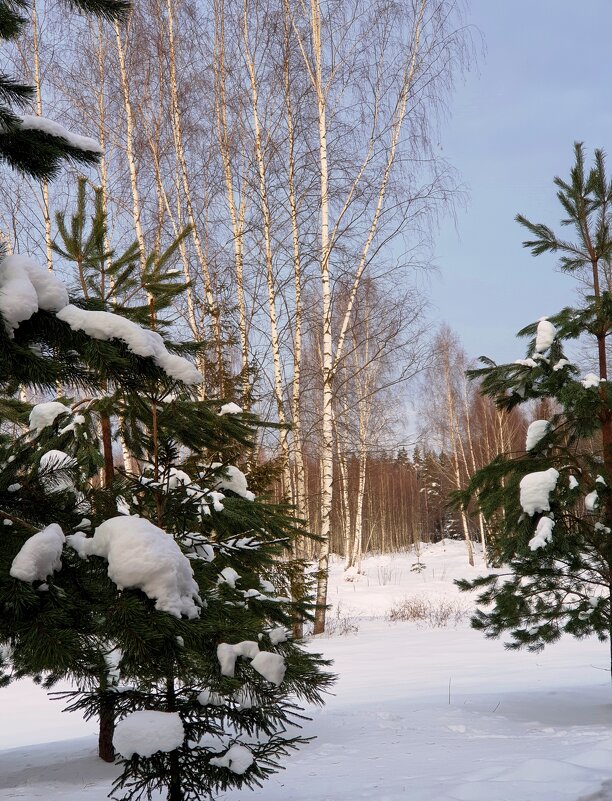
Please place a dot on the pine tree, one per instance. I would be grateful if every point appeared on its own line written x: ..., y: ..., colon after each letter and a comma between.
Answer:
x: 204, y: 588
x: 550, y: 507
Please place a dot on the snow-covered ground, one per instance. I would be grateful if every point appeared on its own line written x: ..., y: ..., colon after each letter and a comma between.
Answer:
x: 419, y: 712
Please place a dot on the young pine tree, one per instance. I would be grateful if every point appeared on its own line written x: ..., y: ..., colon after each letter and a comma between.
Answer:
x: 550, y: 508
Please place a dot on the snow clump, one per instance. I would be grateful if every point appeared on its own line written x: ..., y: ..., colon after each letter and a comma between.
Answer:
x: 45, y: 414
x: 40, y: 555
x: 25, y: 287
x: 536, y: 431
x: 535, y: 489
x: 230, y: 408
x: 271, y: 666
x: 228, y: 654
x: 545, y: 335
x: 28, y: 122
x: 146, y: 732
x: 543, y: 533
x: 55, y: 461
x: 238, y: 759
x: 590, y: 380
x: 233, y: 479
x: 591, y: 502
x: 142, y: 556
x: 141, y: 341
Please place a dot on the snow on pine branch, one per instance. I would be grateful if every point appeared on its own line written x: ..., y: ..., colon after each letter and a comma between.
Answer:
x: 535, y: 489
x: 545, y: 335
x: 142, y: 556
x: 536, y: 431
x: 141, y: 341
x: 26, y: 288
x: 45, y: 414
x: 40, y: 556
x: 147, y: 731
x: 28, y: 122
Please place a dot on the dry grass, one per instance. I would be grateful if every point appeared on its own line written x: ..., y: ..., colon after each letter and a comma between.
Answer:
x: 433, y: 614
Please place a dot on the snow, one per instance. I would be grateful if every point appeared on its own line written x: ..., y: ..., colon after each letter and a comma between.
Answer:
x: 228, y: 654
x: 228, y: 576
x: 30, y: 122
x: 278, y: 635
x: 419, y: 713
x: 52, y: 461
x: 209, y: 698
x: 141, y: 341
x: 545, y: 334
x: 238, y: 759
x: 40, y: 556
x: 560, y: 365
x: 143, y: 556
x: 25, y: 287
x: 591, y: 502
x: 45, y: 414
x: 535, y: 489
x: 572, y: 482
x: 230, y: 408
x: 146, y: 732
x: 590, y: 380
x: 13, y: 487
x: 543, y: 533
x: 232, y: 479
x: 271, y: 666
x: 535, y: 432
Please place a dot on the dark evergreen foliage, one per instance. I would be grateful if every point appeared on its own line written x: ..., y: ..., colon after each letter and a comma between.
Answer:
x: 564, y: 583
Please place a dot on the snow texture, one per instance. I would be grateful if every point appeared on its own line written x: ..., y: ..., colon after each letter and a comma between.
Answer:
x: 40, y: 555
x: 53, y: 461
x: 543, y: 533
x: 278, y: 635
x: 232, y: 479
x: 230, y: 408
x: 228, y: 654
x: 25, y: 287
x: 143, y: 556
x: 535, y: 489
x: 238, y: 759
x: 30, y: 123
x: 146, y: 732
x: 590, y: 380
x: 210, y: 698
x: 45, y: 414
x: 271, y: 666
x: 141, y: 341
x: 572, y: 482
x: 536, y: 431
x: 591, y: 502
x: 560, y: 365
x: 520, y: 727
x: 545, y: 335
x: 228, y: 576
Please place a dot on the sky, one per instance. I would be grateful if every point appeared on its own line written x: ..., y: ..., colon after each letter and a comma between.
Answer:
x: 542, y: 80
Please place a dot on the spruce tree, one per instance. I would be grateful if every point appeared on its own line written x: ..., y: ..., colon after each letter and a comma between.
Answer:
x: 550, y: 507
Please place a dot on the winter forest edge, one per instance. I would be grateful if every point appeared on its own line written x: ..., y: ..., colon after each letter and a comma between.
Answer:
x: 226, y: 414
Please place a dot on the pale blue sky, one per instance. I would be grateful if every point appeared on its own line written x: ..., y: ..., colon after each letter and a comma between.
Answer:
x: 544, y: 81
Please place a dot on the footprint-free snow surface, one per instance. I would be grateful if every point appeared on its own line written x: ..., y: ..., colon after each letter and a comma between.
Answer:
x: 419, y: 713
